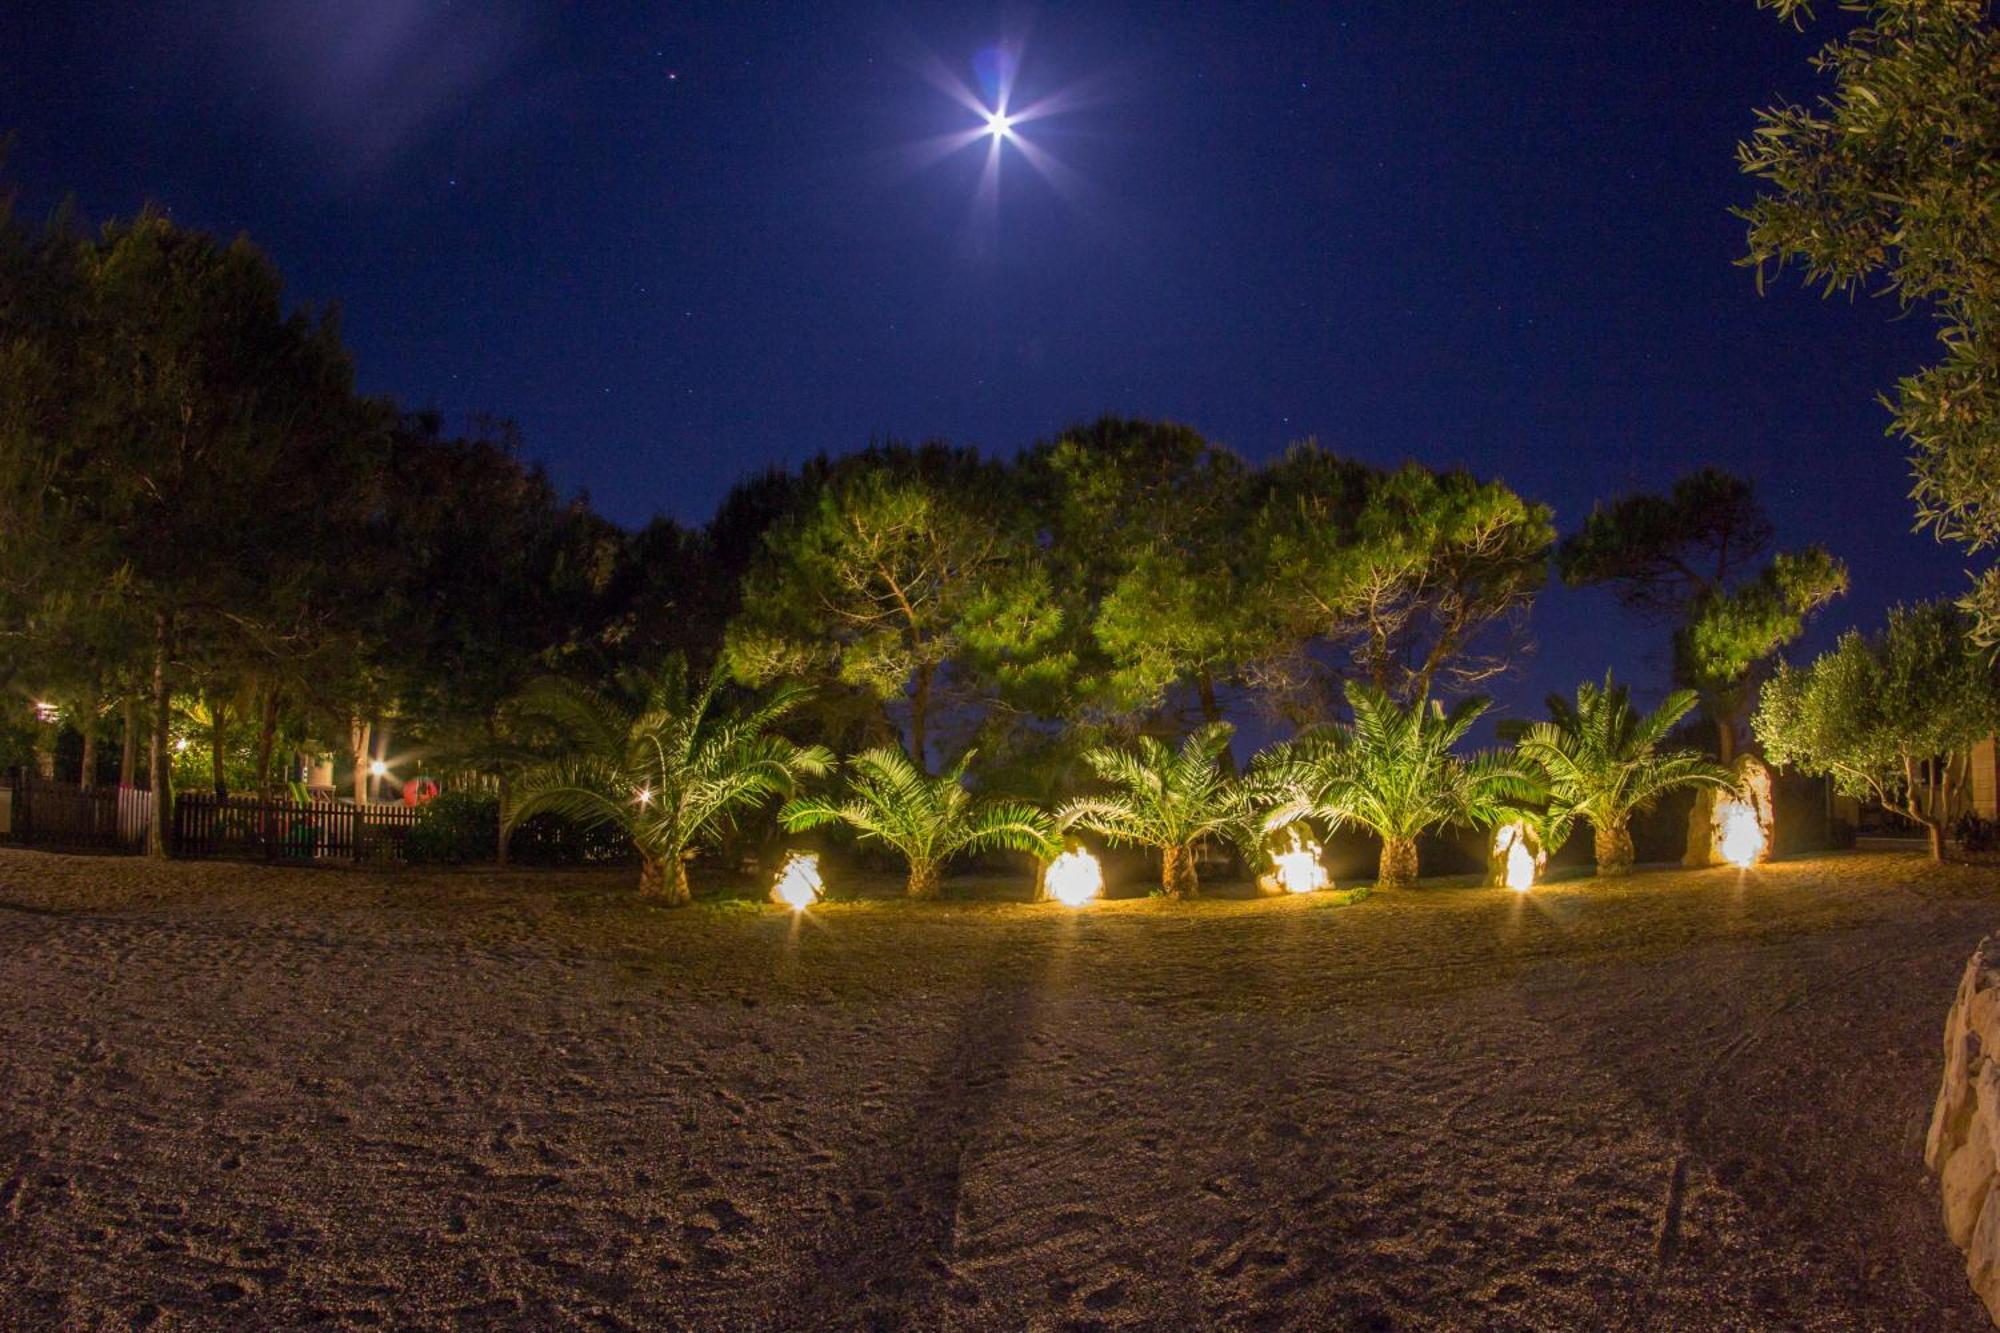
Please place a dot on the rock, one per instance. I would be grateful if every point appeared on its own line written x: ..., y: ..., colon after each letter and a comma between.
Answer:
x: 1963, y: 1146
x: 1503, y: 861
x: 1965, y: 1182
x: 1708, y: 820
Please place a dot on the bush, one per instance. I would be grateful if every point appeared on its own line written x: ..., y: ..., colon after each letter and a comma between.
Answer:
x: 1976, y: 836
x: 550, y: 840
x: 463, y: 828
x: 457, y: 828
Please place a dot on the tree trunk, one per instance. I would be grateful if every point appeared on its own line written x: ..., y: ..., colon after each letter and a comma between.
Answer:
x: 357, y: 745
x: 926, y: 880
x: 1725, y: 740
x: 1398, y: 867
x: 218, y: 726
x: 158, y: 836
x: 1614, y: 850
x: 664, y: 881
x: 1936, y: 832
x: 506, y: 833
x: 267, y: 739
x: 920, y: 707
x: 378, y: 787
x: 1177, y: 873
x: 128, y: 754
x: 1701, y: 830
x: 45, y: 748
x: 1211, y: 707
x: 87, y: 778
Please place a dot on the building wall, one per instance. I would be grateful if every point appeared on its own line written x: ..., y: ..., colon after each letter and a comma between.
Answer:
x: 1986, y: 779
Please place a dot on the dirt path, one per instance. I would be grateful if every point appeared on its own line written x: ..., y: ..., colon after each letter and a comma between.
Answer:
x: 232, y: 1095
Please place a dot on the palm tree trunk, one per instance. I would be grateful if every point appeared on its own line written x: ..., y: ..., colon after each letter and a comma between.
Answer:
x: 1177, y: 873
x: 87, y: 778
x: 1614, y: 850
x: 1398, y: 867
x: 664, y: 880
x: 926, y: 880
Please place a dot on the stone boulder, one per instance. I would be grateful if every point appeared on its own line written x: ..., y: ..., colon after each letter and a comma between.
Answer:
x: 1707, y: 823
x: 1963, y: 1146
x: 1513, y: 842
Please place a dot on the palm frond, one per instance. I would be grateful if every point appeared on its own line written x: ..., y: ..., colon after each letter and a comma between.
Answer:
x: 925, y: 819
x: 1600, y: 760
x: 657, y: 759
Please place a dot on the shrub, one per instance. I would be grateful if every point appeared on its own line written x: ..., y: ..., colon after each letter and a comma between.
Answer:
x: 1976, y: 836
x: 457, y: 828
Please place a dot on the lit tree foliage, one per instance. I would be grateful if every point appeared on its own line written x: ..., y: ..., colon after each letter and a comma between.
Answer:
x: 1169, y: 800
x: 1894, y: 178
x: 1889, y: 717
x: 1600, y: 760
x: 926, y: 820
x: 902, y: 569
x: 1146, y: 544
x: 1409, y: 575
x: 1695, y: 557
x: 661, y: 762
x: 1395, y: 772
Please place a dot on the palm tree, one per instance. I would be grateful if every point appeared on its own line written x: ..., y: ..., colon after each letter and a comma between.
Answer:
x: 1393, y: 772
x: 1170, y: 800
x: 1603, y: 763
x: 927, y: 820
x: 661, y: 762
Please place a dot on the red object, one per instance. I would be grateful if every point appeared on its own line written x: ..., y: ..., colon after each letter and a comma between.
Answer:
x: 419, y: 791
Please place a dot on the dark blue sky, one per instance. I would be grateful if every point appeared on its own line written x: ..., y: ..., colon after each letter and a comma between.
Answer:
x: 676, y: 242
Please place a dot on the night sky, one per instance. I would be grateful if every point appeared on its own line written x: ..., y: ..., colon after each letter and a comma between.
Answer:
x: 676, y: 242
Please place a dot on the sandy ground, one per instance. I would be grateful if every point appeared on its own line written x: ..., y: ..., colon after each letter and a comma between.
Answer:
x: 257, y: 1097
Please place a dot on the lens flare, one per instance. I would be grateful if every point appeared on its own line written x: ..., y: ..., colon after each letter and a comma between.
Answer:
x: 799, y: 885
x: 1298, y: 868
x: 1742, y: 840
x: 1074, y: 878
x: 999, y: 124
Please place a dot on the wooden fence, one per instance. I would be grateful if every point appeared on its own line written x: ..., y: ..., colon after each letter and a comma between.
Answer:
x: 243, y: 826
x: 36, y: 812
x: 41, y: 813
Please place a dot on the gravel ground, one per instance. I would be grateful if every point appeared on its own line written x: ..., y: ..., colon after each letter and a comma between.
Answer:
x: 240, y: 1096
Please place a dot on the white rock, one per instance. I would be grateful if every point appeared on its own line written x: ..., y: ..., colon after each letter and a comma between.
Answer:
x: 1963, y: 1145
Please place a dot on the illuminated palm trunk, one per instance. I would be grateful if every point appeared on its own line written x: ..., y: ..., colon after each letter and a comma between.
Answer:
x: 1614, y: 850
x: 1398, y: 867
x: 664, y: 879
x: 926, y: 880
x: 1177, y: 873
